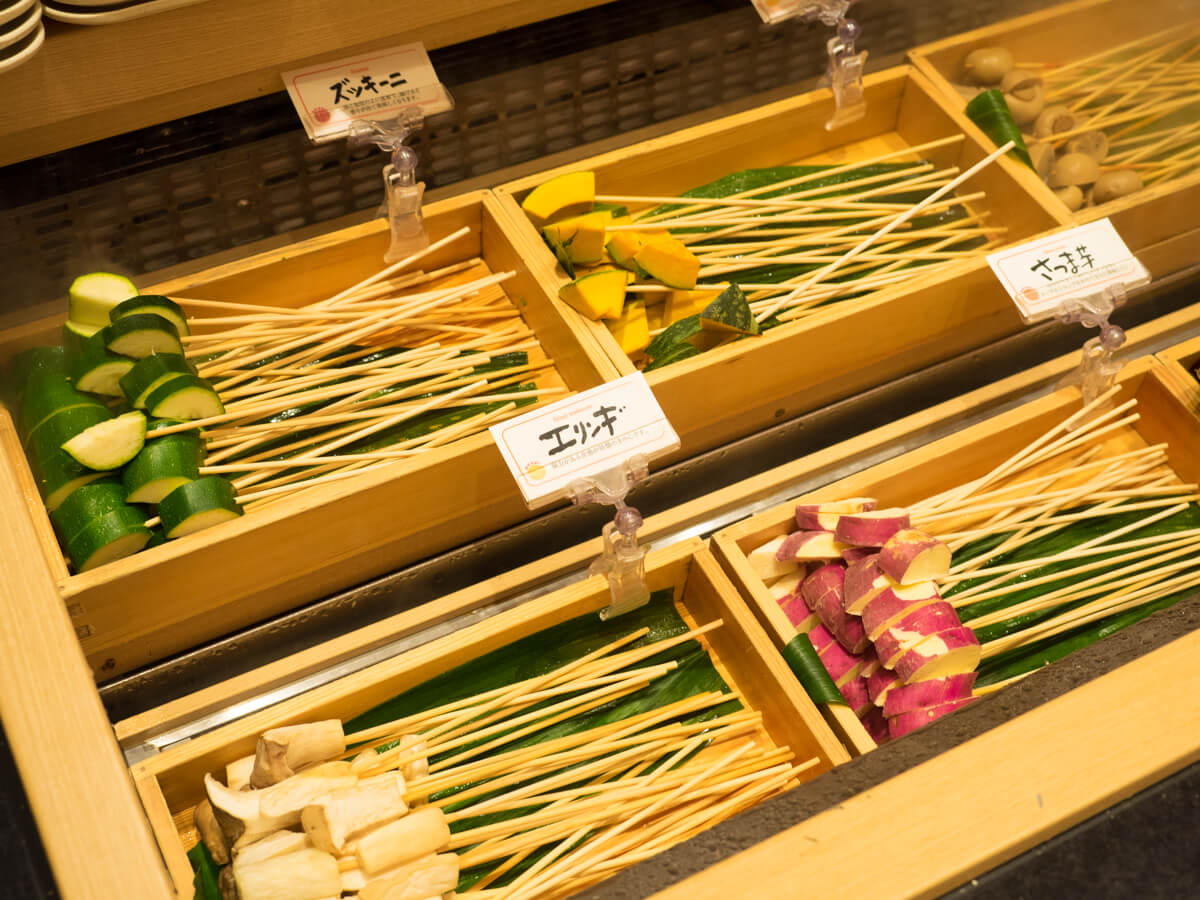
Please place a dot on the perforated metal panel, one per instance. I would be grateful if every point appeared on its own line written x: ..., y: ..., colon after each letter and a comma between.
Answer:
x: 154, y: 198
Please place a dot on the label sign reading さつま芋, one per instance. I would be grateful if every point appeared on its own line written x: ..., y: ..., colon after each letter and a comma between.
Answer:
x: 377, y: 85
x: 1080, y: 262
x: 588, y: 433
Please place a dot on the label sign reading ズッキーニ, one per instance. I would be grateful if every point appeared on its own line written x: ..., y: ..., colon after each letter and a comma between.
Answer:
x: 376, y: 85
x: 588, y: 433
x: 1079, y: 262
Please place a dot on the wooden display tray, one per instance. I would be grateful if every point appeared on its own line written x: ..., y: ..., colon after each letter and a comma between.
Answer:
x: 1180, y: 362
x: 742, y: 387
x: 1166, y: 416
x: 171, y: 783
x: 1061, y: 34
x: 168, y: 598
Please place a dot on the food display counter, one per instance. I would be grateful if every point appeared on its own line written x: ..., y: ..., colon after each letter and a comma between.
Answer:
x: 907, y: 589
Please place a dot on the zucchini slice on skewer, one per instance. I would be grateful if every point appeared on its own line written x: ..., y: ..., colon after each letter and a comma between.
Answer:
x: 163, y: 465
x: 97, y: 370
x: 110, y: 537
x: 142, y: 334
x: 110, y: 444
x: 93, y: 296
x: 87, y: 503
x: 153, y: 304
x: 48, y: 393
x: 184, y: 397
x: 196, y: 505
x: 150, y: 372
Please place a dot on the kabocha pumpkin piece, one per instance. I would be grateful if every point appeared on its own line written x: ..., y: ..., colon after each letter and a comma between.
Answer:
x: 597, y: 295
x: 680, y: 305
x: 670, y: 261
x: 580, y: 237
x: 729, y: 313
x: 622, y: 247
x: 631, y: 329
x: 563, y: 195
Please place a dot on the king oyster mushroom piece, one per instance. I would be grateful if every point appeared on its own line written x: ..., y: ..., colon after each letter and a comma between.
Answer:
x: 302, y: 875
x: 246, y: 816
x: 277, y: 843
x: 1074, y: 168
x: 1021, y: 83
x: 987, y: 65
x: 1111, y: 185
x: 332, y: 820
x: 1055, y: 119
x: 1026, y: 111
x: 1071, y: 196
x: 227, y: 884
x: 432, y: 876
x: 282, y: 752
x: 210, y: 832
x: 1093, y: 143
x: 237, y: 773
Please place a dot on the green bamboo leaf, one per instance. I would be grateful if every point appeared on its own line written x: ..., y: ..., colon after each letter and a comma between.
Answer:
x: 990, y: 112
x: 207, y: 876
x: 802, y: 659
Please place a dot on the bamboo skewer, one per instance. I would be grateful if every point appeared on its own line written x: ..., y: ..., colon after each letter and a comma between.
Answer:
x: 887, y: 229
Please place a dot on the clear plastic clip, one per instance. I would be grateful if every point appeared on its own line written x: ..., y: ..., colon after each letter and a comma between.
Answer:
x: 402, y: 192
x: 1098, y: 366
x: 845, y: 75
x: 623, y: 560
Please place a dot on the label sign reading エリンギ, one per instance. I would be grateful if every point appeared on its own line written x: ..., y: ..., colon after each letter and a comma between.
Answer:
x: 1079, y: 262
x: 376, y: 85
x: 583, y: 435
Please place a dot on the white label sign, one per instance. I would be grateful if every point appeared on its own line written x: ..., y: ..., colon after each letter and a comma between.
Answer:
x: 583, y: 435
x: 376, y: 85
x: 1078, y: 262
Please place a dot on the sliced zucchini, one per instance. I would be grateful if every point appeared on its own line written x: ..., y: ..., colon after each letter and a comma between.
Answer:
x: 108, y: 538
x: 93, y: 296
x: 142, y: 334
x: 87, y: 503
x: 164, y: 464
x: 67, y: 423
x: 151, y: 371
x: 36, y: 359
x: 197, y: 505
x: 58, y: 476
x: 98, y: 371
x: 47, y: 395
x: 156, y: 538
x: 184, y: 397
x: 156, y: 305
x: 109, y: 445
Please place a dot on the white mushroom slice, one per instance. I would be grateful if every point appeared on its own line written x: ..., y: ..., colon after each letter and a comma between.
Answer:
x: 333, y: 819
x: 282, y: 752
x: 304, y: 875
x: 419, y: 767
x: 290, y: 796
x: 431, y: 876
x: 402, y: 841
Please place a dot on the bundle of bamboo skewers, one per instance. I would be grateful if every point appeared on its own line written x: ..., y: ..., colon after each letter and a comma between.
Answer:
x: 756, y: 248
x: 306, y: 389
x: 1108, y: 123
x: 1080, y: 533
x: 535, y: 788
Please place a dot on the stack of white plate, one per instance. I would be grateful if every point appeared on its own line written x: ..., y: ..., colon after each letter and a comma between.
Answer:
x: 21, y: 31
x: 107, y: 12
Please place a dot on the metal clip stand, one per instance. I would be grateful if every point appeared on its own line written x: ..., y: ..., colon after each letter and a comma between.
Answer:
x: 402, y: 192
x: 845, y: 75
x: 623, y: 560
x: 1098, y: 367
